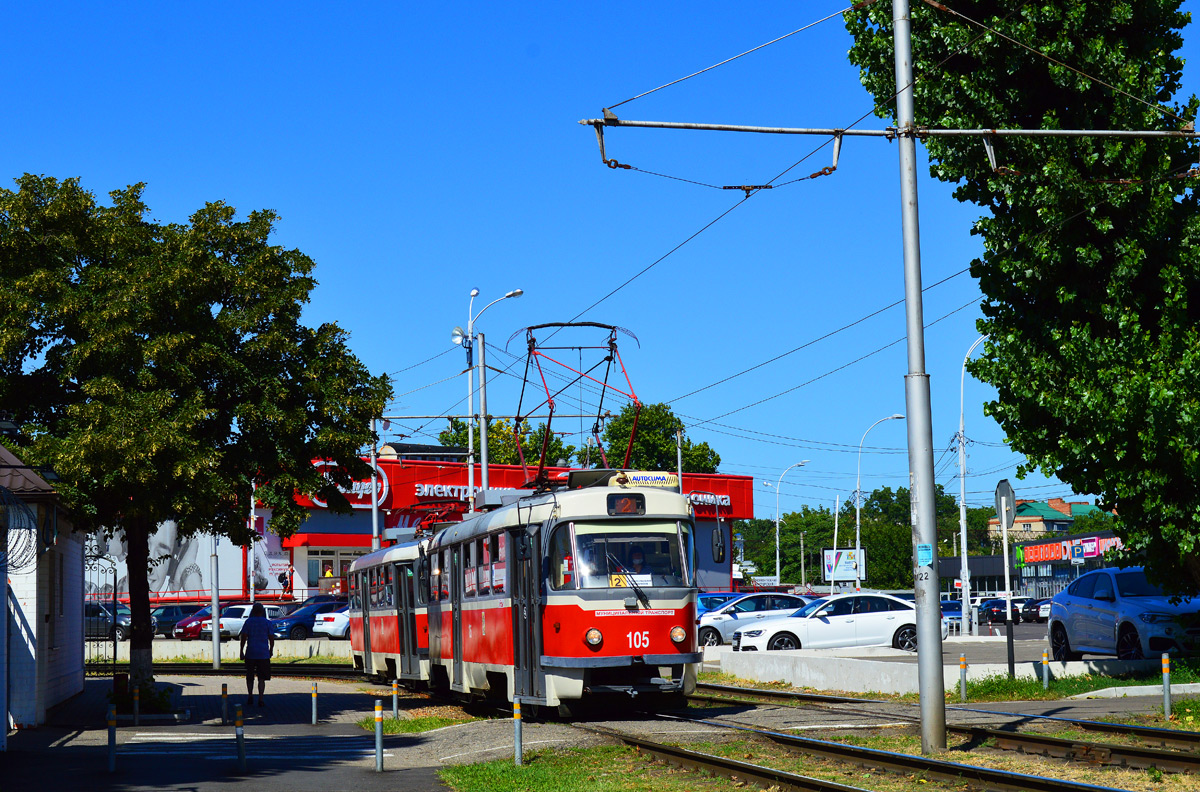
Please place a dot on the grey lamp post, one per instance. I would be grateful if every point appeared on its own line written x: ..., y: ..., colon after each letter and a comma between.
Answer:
x: 467, y: 341
x: 777, y: 485
x: 964, y: 573
x: 858, y: 502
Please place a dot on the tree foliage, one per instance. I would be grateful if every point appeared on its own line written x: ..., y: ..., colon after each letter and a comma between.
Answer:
x: 160, y: 369
x: 654, y: 445
x: 502, y: 444
x: 1090, y: 267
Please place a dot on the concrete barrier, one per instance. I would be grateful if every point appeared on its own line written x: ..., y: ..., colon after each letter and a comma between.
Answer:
x: 170, y: 648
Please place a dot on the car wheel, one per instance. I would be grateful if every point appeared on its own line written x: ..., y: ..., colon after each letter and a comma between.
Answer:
x: 1060, y: 646
x: 710, y: 637
x: 298, y: 633
x: 784, y: 641
x: 119, y: 632
x: 905, y: 638
x: 1129, y: 644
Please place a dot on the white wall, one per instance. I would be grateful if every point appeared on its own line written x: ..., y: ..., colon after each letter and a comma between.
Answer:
x: 45, y: 631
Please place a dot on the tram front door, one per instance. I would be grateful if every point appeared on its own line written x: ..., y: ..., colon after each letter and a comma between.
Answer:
x: 526, y: 612
x: 406, y: 603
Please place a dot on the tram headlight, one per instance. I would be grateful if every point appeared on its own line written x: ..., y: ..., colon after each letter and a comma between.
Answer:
x: 678, y: 634
x: 593, y: 637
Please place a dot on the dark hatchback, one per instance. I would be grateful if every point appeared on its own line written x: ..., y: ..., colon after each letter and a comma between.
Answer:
x: 298, y: 624
x: 168, y: 616
x: 1029, y: 611
x: 992, y: 612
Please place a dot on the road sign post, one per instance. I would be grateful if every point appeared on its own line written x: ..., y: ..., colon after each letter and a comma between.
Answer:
x: 1006, y: 510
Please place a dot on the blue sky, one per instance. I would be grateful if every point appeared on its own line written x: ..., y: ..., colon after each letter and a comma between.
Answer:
x: 417, y: 151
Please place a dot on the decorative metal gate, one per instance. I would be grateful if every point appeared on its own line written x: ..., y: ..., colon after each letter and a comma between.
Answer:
x: 99, y: 610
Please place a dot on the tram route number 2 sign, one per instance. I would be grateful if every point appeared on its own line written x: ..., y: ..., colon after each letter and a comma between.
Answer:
x: 622, y: 581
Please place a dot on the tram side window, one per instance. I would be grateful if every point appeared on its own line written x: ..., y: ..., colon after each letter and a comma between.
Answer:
x: 388, y: 587
x: 482, y: 552
x: 499, y: 574
x: 435, y: 576
x: 468, y: 557
x: 562, y: 565
x: 353, y: 582
x: 444, y: 591
x: 421, y: 586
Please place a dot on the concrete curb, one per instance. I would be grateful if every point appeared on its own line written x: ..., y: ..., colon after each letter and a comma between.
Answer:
x: 821, y: 670
x: 1136, y: 690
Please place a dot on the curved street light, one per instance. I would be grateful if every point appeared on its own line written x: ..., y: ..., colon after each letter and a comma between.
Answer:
x: 964, y: 573
x: 858, y: 502
x: 467, y: 340
x: 777, y: 485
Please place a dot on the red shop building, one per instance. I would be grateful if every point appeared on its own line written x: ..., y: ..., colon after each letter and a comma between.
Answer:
x: 413, y: 492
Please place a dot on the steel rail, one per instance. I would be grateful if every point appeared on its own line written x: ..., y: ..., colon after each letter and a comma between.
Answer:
x: 733, y: 769
x: 1184, y: 740
x: 955, y: 772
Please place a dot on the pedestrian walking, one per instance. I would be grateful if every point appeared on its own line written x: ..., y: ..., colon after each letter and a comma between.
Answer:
x: 256, y: 649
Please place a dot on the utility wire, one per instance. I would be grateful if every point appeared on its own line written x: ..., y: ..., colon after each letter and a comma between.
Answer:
x: 839, y: 368
x: 830, y: 334
x: 422, y: 363
x: 735, y: 57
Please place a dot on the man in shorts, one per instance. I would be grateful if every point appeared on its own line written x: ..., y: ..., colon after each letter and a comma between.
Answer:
x: 257, y: 646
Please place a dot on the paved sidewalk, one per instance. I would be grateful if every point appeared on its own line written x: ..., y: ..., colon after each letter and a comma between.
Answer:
x: 285, y: 752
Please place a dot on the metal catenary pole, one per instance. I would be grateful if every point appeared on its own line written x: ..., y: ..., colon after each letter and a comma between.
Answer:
x: 1008, y: 625
x: 920, y: 422
x: 483, y: 420
x: 214, y: 610
x: 374, y: 486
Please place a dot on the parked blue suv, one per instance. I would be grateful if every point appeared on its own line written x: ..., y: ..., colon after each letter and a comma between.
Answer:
x: 1119, y: 612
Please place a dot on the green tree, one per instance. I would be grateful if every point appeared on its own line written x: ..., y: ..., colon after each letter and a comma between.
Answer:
x: 502, y: 444
x: 1090, y: 245
x: 1091, y: 522
x: 979, y: 539
x: 161, y: 369
x: 654, y: 446
x: 886, y: 507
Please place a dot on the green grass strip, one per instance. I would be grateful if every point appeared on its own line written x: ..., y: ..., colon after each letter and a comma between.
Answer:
x: 411, y: 725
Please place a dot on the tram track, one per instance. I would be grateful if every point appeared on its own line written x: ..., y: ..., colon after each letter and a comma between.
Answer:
x: 953, y: 773
x: 1184, y: 760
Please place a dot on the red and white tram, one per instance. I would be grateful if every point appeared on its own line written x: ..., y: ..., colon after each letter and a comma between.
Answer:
x: 540, y: 598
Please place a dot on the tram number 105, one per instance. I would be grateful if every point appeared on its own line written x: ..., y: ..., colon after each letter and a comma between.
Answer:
x: 638, y: 639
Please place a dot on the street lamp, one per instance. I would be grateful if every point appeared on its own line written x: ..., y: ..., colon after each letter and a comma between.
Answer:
x: 858, y: 502
x: 964, y: 574
x: 467, y: 342
x: 776, y: 485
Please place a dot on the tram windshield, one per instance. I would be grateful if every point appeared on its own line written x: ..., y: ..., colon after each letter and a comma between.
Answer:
x: 627, y: 554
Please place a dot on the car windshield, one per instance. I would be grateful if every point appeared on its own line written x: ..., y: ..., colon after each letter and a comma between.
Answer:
x: 809, y: 608
x: 1134, y: 584
x: 711, y: 601
x: 951, y: 605
x: 623, y: 554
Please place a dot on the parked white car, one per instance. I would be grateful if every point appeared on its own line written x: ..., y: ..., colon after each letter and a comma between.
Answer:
x: 844, y: 620
x: 335, y: 624
x: 717, y: 626
x: 232, y: 619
